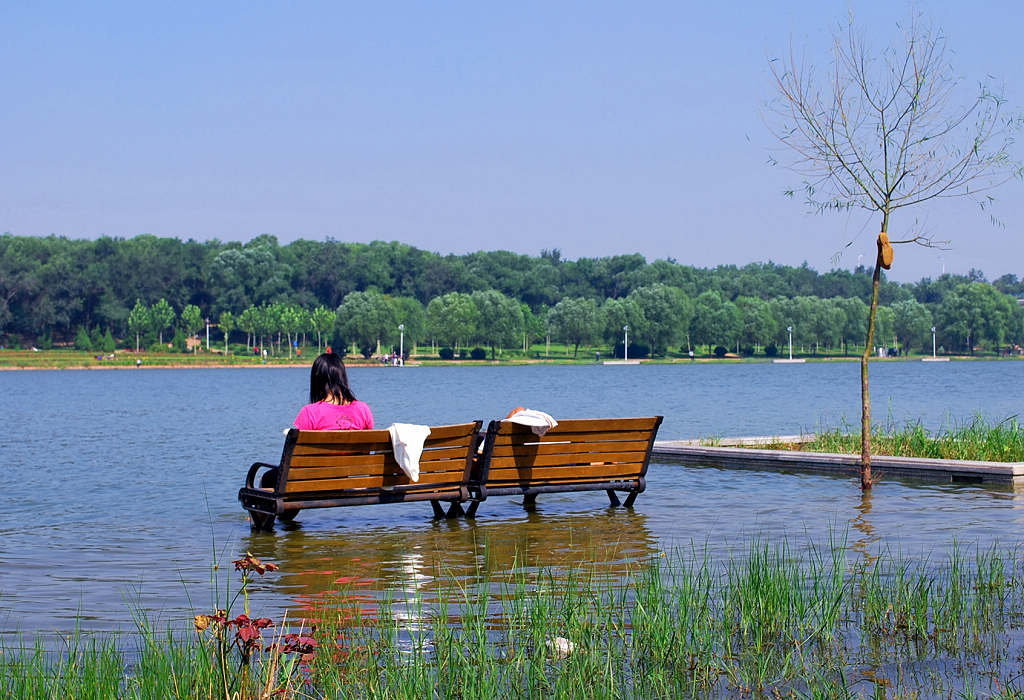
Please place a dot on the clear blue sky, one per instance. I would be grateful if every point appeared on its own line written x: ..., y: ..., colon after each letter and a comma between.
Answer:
x: 597, y: 128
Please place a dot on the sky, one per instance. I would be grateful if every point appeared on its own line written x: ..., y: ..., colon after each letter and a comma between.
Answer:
x: 596, y: 128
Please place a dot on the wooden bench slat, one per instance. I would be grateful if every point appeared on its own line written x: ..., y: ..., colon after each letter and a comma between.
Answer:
x: 379, y: 458
x: 546, y: 474
x: 368, y: 482
x: 345, y: 437
x: 590, y: 425
x: 451, y: 466
x: 567, y: 448
x: 582, y: 459
x: 331, y: 448
x: 584, y: 437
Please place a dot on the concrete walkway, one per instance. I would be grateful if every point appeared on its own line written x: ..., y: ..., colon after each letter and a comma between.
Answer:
x: 692, y: 452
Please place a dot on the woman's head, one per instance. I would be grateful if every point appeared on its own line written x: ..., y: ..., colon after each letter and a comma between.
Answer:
x: 328, y: 378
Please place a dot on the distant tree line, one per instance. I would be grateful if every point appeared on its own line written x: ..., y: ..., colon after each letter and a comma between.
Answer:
x: 148, y: 290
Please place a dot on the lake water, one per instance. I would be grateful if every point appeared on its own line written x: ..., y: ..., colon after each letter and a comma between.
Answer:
x: 120, y: 486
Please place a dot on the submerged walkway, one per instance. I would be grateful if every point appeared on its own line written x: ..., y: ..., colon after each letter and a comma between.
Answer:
x: 727, y: 455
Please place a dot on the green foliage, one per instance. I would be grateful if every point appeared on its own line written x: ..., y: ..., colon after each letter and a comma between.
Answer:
x: 667, y: 313
x: 786, y: 620
x: 191, y: 321
x: 499, y: 319
x: 478, y: 354
x: 446, y: 353
x: 636, y: 351
x: 715, y: 320
x: 619, y: 313
x: 107, y: 343
x: 912, y: 323
x: 139, y: 320
x: 409, y: 312
x: 322, y: 320
x: 975, y: 313
x: 452, y: 318
x: 226, y: 323
x: 575, y: 321
x: 82, y: 339
x: 161, y: 317
x: 365, y: 318
x: 179, y: 342
x: 54, y: 285
x: 720, y: 351
x: 771, y: 350
x: 978, y: 439
x: 759, y: 326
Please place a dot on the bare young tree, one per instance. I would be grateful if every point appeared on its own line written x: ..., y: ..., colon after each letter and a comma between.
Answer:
x: 885, y: 132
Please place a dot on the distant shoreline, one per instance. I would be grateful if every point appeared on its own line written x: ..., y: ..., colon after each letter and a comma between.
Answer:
x: 41, y: 362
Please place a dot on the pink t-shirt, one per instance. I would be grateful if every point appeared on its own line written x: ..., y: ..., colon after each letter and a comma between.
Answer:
x: 329, y: 416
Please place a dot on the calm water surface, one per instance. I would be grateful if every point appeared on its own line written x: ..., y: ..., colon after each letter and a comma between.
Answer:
x: 121, y: 486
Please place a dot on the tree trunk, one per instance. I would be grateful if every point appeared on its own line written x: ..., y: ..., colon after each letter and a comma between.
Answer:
x: 865, y: 399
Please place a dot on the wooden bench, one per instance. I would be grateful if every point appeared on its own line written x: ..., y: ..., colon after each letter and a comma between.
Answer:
x: 324, y: 469
x: 599, y: 454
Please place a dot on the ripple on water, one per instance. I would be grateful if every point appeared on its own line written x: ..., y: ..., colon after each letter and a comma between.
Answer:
x: 121, y: 485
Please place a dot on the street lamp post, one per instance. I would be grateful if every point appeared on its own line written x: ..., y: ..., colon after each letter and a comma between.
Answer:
x: 790, y: 329
x: 401, y: 344
x: 625, y: 342
x: 933, y: 342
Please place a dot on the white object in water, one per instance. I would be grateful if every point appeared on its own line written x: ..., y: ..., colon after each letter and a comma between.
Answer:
x: 560, y: 647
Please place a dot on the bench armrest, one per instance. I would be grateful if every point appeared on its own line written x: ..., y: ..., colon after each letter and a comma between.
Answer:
x: 250, y: 478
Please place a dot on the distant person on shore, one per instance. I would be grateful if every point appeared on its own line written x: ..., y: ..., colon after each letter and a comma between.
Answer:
x: 332, y: 405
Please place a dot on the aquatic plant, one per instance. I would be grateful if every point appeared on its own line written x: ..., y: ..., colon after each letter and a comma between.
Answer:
x: 977, y: 439
x: 769, y: 622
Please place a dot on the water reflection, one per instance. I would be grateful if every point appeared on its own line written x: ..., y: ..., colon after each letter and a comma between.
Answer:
x: 864, y: 544
x: 422, y: 561
x: 90, y: 522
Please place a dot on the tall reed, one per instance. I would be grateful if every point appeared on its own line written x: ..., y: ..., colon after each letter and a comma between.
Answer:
x: 977, y: 439
x: 771, y: 622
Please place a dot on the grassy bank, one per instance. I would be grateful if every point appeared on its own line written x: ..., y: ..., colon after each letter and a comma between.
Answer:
x: 555, y: 355
x: 976, y: 440
x: 766, y: 624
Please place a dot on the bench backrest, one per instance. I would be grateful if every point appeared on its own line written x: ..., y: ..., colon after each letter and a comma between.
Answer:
x: 316, y: 463
x: 575, y: 452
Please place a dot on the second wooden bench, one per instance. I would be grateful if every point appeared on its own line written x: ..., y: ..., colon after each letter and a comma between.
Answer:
x: 593, y: 454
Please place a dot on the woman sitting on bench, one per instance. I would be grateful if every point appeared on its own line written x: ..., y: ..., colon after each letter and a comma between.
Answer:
x: 332, y: 405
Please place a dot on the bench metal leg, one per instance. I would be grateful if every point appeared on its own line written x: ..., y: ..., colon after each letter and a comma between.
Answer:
x: 631, y: 498
x: 261, y: 521
x: 288, y: 515
x: 530, y: 502
x: 455, y: 510
x: 438, y: 510
x: 613, y: 499
x: 471, y: 511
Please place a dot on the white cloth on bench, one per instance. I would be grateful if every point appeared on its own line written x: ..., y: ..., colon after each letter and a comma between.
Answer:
x: 538, y: 421
x: 407, y: 443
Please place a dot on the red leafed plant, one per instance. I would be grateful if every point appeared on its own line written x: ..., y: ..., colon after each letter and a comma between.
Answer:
x: 284, y: 655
